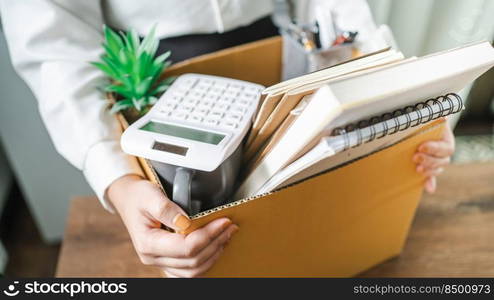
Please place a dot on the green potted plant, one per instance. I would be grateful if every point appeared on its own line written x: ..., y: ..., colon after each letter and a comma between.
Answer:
x: 134, y: 71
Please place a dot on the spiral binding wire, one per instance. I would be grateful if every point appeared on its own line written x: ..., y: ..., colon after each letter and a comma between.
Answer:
x: 422, y: 118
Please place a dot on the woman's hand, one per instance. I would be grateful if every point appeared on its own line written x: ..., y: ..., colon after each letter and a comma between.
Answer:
x: 143, y: 207
x: 432, y: 156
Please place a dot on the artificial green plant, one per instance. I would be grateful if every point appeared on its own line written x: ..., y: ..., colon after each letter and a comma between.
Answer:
x: 133, y: 69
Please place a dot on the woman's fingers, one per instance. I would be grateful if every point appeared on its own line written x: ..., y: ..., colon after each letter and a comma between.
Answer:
x: 195, y: 262
x: 440, y: 148
x: 159, y: 242
x: 444, y: 147
x: 433, y: 172
x: 167, y: 212
x: 189, y: 273
x: 425, y: 162
x: 199, y: 239
x: 169, y: 275
x: 430, y: 184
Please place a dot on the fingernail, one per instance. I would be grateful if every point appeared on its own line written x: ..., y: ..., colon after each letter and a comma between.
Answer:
x: 227, y: 223
x: 417, y: 159
x: 181, y: 222
x: 234, y: 230
x: 430, y: 187
x: 420, y: 169
x: 433, y: 185
x: 424, y: 149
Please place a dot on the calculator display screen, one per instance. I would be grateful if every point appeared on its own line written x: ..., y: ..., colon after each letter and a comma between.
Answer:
x: 184, y: 132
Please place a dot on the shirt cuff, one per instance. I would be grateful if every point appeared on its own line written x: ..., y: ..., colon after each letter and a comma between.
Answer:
x: 106, y: 162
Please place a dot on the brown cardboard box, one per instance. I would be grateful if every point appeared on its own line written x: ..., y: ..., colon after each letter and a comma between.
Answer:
x: 338, y: 223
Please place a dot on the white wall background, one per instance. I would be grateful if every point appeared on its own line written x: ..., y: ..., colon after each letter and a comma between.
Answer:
x: 421, y: 27
x: 425, y: 26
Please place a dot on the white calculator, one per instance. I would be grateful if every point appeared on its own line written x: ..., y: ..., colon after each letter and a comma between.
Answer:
x: 197, y: 123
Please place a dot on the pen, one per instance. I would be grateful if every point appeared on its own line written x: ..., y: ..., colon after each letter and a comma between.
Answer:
x: 346, y: 37
x: 317, y: 36
x: 302, y: 36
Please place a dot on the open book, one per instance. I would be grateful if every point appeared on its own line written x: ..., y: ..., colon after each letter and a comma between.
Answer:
x: 347, y: 98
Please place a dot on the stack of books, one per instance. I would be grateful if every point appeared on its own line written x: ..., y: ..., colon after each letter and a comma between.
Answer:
x: 308, y: 125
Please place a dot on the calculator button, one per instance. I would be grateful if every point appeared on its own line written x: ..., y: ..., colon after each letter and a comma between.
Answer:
x: 194, y: 98
x: 238, y: 109
x: 251, y: 89
x: 178, y: 95
x: 211, y: 97
x: 202, y: 88
x: 201, y: 111
x: 234, y: 117
x: 195, y: 118
x: 181, y: 90
x: 221, y: 85
x: 217, y: 90
x: 221, y: 106
x: 216, y: 114
x: 197, y: 94
x: 207, y: 81
x: 168, y: 105
x: 235, y: 89
x: 185, y: 108
x: 229, y: 124
x: 164, y: 112
x: 175, y: 99
x: 249, y: 96
x: 226, y: 100
x: 205, y: 104
x: 243, y: 102
x: 210, y: 121
x: 190, y: 101
x: 179, y: 116
x: 230, y: 93
x: 188, y: 82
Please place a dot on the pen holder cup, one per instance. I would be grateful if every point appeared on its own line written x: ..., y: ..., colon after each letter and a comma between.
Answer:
x: 298, y: 61
x: 195, y: 190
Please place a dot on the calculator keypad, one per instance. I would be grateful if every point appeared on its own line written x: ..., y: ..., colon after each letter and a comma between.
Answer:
x: 210, y: 102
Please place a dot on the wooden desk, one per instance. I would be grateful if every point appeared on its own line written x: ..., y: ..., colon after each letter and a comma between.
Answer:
x: 452, y: 235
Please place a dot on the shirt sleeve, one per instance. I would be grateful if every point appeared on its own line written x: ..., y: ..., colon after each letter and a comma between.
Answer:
x: 51, y: 44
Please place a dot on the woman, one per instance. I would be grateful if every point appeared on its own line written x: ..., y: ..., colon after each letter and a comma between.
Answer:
x: 51, y: 43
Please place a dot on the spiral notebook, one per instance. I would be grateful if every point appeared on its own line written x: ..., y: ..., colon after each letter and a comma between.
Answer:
x: 377, y: 132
